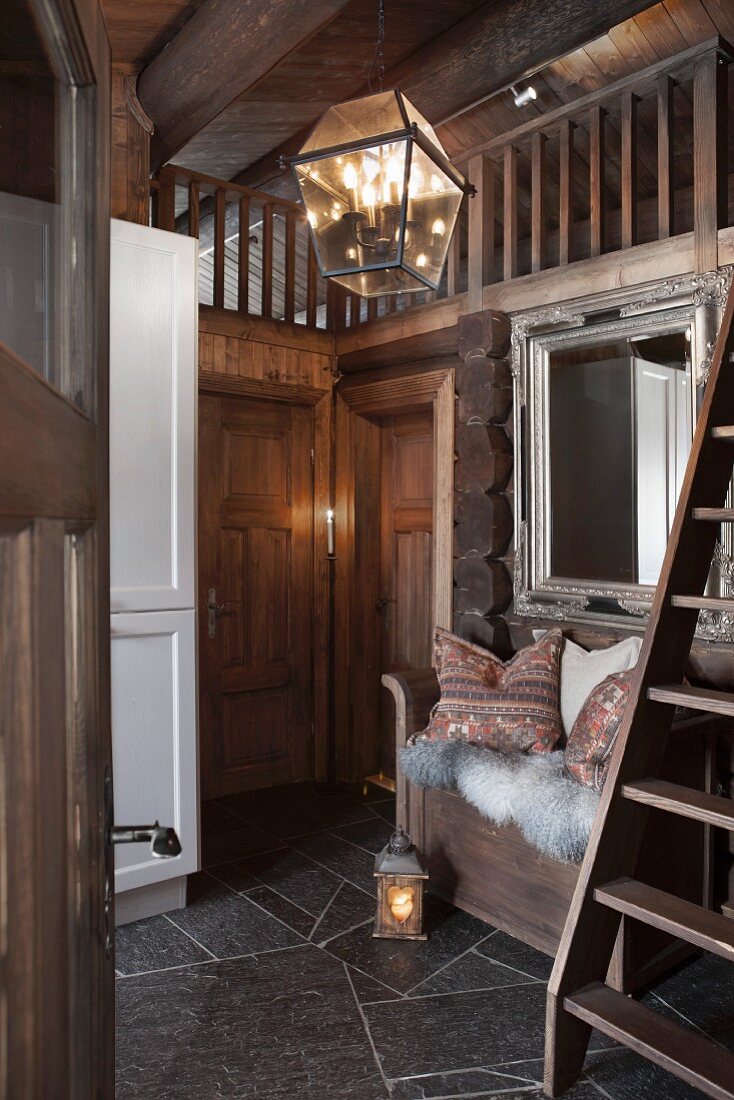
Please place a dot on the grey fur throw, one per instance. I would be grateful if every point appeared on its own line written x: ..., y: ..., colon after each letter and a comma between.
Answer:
x: 553, y: 812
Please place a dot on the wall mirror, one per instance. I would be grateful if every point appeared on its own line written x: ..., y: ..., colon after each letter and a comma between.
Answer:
x: 606, y: 398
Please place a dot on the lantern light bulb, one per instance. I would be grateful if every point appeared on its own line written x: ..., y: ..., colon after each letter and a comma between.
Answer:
x: 417, y: 179
x: 439, y: 227
x: 351, y: 253
x: 369, y: 196
x: 313, y: 220
x: 436, y: 184
x: 350, y: 176
x: 421, y: 260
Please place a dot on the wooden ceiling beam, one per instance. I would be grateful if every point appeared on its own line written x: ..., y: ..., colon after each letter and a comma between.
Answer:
x: 225, y: 49
x: 502, y: 43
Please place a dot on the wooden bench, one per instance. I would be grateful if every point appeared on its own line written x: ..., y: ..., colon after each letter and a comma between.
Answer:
x: 494, y: 873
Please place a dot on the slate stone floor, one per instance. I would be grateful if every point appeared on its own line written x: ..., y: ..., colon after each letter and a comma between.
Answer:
x: 269, y: 984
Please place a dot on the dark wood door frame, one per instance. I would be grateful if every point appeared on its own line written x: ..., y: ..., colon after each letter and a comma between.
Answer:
x: 360, y: 401
x: 322, y: 404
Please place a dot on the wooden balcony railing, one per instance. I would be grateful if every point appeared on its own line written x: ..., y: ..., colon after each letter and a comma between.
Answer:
x: 639, y: 160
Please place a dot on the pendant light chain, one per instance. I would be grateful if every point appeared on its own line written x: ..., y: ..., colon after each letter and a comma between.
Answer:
x: 378, y: 61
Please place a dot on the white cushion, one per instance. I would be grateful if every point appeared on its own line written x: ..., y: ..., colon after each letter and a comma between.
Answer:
x: 582, y: 670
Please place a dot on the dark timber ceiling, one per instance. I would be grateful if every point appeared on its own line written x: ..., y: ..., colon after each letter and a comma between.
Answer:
x: 243, y: 140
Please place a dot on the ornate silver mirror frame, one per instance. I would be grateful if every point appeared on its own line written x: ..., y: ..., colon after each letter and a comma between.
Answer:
x: 694, y: 300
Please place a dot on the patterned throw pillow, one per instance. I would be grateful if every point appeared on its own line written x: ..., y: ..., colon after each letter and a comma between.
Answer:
x: 594, y: 732
x: 511, y: 707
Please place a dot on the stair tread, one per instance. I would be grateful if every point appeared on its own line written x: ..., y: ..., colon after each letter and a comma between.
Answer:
x: 704, y: 603
x: 671, y: 914
x: 683, y: 695
x: 716, y: 515
x: 689, y: 1055
x: 723, y: 431
x: 685, y: 801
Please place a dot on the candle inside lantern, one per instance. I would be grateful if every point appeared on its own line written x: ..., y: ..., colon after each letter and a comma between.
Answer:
x: 369, y: 198
x: 400, y: 900
x: 330, y: 532
x: 350, y: 182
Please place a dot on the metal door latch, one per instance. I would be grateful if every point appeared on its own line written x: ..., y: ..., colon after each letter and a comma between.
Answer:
x: 164, y: 843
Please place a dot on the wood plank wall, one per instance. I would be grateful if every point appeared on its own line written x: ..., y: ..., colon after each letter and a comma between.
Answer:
x: 131, y: 132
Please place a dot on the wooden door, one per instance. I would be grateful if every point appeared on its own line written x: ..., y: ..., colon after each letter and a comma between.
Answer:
x: 255, y: 553
x: 406, y: 558
x: 56, y: 920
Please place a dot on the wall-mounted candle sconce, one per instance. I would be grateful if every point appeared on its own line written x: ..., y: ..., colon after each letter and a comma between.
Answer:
x: 330, y: 532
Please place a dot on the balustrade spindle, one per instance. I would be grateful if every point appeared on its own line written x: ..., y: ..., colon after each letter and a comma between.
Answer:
x: 289, y: 304
x: 629, y: 170
x: 566, y: 185
x: 666, y: 185
x: 510, y: 212
x: 709, y: 157
x: 481, y: 229
x: 193, y: 208
x: 243, y: 257
x: 538, y: 203
x: 220, y: 208
x: 267, y: 261
x: 597, y: 205
x: 312, y: 284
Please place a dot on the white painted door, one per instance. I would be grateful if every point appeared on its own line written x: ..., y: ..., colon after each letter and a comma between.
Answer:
x: 154, y: 750
x: 153, y: 360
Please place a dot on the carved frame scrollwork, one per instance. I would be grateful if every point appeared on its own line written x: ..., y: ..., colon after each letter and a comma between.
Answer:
x: 696, y: 300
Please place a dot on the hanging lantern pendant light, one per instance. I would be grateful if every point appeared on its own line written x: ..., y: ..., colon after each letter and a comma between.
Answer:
x: 381, y: 195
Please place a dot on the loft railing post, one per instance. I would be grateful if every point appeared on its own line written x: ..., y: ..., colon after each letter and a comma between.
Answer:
x: 267, y: 261
x: 289, y: 302
x: 597, y: 209
x: 510, y: 212
x: 166, y: 214
x: 220, y: 206
x: 629, y: 170
x: 666, y: 181
x: 538, y: 204
x: 709, y: 157
x: 372, y: 309
x: 312, y: 283
x: 565, y: 187
x: 481, y: 230
x: 243, y: 257
x: 193, y: 208
x: 355, y: 310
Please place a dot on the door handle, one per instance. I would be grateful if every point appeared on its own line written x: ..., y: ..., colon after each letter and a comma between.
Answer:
x: 212, y: 607
x: 164, y: 843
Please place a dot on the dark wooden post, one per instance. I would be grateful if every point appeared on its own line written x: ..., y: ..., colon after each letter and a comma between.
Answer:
x: 666, y: 183
x: 565, y: 211
x: 267, y: 261
x: 312, y: 284
x: 538, y: 206
x: 596, y: 181
x: 243, y: 263
x: 510, y: 212
x: 629, y: 170
x: 709, y: 157
x: 481, y: 229
x: 167, y: 199
x: 193, y: 208
x: 289, y: 294
x: 453, y: 260
x: 220, y: 207
x: 483, y: 511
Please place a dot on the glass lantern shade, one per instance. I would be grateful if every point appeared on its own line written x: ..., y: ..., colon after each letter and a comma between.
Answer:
x: 381, y: 196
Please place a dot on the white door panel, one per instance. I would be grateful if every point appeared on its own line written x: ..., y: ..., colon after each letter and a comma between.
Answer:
x: 154, y: 744
x: 153, y: 365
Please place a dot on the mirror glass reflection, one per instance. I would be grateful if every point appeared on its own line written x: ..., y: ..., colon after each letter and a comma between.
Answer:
x: 620, y: 427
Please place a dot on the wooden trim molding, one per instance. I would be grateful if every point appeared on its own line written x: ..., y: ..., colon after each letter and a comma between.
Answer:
x: 360, y: 400
x: 263, y: 330
x: 291, y: 394
x: 134, y: 104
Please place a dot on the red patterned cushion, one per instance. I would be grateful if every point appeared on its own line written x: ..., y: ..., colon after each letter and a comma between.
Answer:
x: 594, y: 732
x: 511, y: 707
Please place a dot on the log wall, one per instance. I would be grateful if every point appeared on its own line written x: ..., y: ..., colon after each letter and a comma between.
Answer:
x: 483, y: 481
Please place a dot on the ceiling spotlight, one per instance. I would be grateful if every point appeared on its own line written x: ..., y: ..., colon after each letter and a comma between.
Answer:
x: 528, y: 95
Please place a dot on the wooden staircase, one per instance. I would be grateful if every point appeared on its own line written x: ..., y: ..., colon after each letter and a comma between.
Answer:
x: 578, y: 998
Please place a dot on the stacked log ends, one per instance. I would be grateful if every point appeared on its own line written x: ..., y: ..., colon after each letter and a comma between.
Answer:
x: 483, y: 513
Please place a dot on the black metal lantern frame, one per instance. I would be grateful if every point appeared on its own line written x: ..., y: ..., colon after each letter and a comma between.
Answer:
x: 382, y: 204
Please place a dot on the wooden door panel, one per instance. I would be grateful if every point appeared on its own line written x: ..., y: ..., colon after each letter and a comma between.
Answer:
x: 406, y: 569
x: 255, y: 535
x: 411, y: 633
